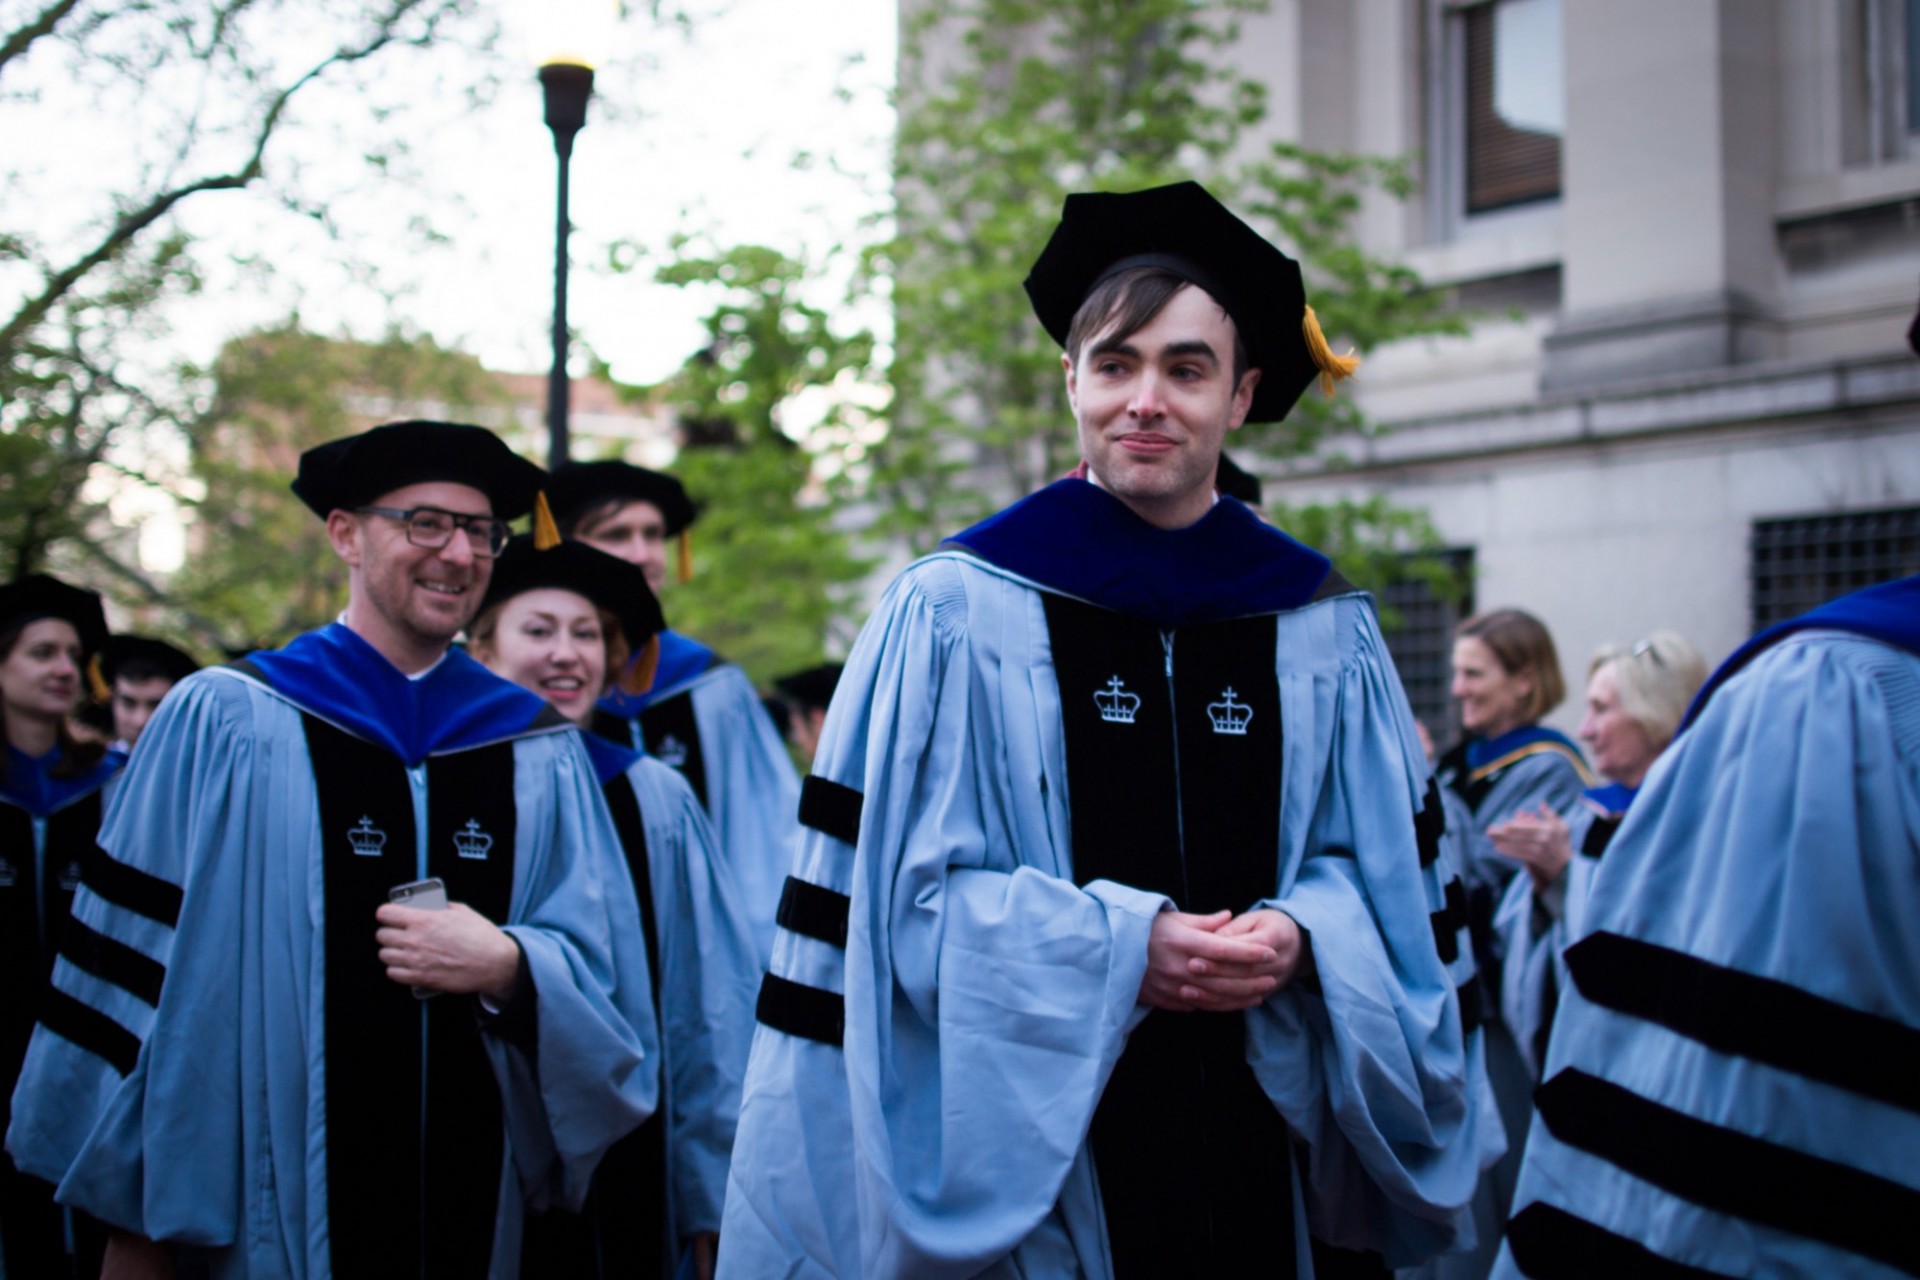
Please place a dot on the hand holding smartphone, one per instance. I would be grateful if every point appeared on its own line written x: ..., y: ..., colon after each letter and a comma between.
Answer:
x: 422, y: 895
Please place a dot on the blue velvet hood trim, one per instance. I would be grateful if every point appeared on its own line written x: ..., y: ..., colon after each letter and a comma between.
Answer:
x: 610, y: 759
x: 1484, y: 751
x: 31, y: 785
x: 1889, y: 613
x: 1079, y: 540
x: 339, y: 677
x: 1612, y: 798
x: 681, y: 659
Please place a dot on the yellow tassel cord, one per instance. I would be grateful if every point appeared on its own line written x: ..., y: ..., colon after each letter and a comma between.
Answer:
x: 546, y: 534
x: 1333, y: 368
x: 686, y: 556
x: 638, y: 677
x: 97, y: 683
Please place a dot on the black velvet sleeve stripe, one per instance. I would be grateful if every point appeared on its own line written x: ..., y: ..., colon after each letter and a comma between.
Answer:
x: 1450, y: 920
x: 1548, y: 1243
x: 830, y: 808
x: 1735, y: 1173
x: 1599, y: 836
x: 816, y: 912
x: 1473, y: 1005
x: 1759, y: 1018
x: 807, y: 1012
x: 1430, y: 824
x: 90, y: 1029
x: 112, y: 961
x: 129, y: 887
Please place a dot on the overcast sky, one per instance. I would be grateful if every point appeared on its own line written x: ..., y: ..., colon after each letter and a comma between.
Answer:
x: 689, y: 131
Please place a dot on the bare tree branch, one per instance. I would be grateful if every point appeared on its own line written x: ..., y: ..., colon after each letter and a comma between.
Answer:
x: 20, y: 39
x: 132, y: 223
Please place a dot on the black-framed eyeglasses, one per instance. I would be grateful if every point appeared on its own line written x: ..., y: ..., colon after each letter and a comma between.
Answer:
x: 433, y: 528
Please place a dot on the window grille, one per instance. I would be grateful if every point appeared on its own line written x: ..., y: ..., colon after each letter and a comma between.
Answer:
x: 1798, y: 564
x: 1420, y: 637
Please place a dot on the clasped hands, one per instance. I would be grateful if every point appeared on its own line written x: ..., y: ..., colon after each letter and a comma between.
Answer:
x: 1221, y: 962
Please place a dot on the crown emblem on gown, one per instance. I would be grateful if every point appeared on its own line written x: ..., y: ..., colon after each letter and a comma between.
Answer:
x: 470, y: 841
x: 70, y: 876
x: 1117, y: 705
x: 672, y: 751
x: 8, y: 873
x: 367, y: 840
x: 1228, y: 716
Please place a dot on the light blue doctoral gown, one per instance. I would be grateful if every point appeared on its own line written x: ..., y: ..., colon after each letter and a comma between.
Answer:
x: 987, y: 997
x: 708, y: 979
x: 1731, y: 1081
x: 217, y: 1136
x: 752, y: 791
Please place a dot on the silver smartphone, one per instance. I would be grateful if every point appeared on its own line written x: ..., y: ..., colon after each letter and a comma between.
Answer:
x: 423, y: 895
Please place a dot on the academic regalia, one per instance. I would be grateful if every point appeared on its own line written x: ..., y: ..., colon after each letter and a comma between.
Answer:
x: 1730, y: 1086
x: 1498, y: 777
x: 953, y: 1077
x: 1534, y: 926
x: 230, y: 1069
x: 48, y: 824
x: 703, y: 717
x: 665, y: 1182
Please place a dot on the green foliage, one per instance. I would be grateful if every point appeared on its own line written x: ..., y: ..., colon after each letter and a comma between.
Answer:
x: 1008, y: 105
x: 260, y: 563
x: 772, y: 571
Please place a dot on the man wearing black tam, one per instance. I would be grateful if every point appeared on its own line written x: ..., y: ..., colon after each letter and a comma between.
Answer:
x: 1118, y: 945
x: 138, y: 671
x: 295, y: 1042
x: 702, y: 714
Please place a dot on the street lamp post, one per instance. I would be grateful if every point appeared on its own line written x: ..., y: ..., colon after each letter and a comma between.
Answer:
x: 567, y: 86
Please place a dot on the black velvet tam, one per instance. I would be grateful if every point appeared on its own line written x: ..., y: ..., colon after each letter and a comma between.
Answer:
x: 578, y: 487
x: 1184, y: 229
x: 353, y: 471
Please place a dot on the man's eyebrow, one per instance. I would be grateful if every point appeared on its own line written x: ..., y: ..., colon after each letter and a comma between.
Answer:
x: 1192, y: 347
x: 1114, y: 347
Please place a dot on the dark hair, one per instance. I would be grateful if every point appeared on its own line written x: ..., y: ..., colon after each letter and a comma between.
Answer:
x: 141, y: 669
x: 1521, y: 644
x: 1126, y: 302
x: 75, y: 756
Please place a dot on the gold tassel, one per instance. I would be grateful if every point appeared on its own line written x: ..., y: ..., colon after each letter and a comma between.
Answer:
x: 546, y: 534
x: 97, y: 683
x: 638, y: 677
x: 1333, y: 368
x: 686, y: 556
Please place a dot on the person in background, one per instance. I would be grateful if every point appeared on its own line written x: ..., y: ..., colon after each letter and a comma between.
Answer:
x: 1506, y: 677
x: 563, y: 621
x: 1730, y: 1087
x: 349, y: 1009
x: 1635, y: 699
x: 807, y: 695
x: 702, y: 715
x: 138, y: 671
x: 51, y: 793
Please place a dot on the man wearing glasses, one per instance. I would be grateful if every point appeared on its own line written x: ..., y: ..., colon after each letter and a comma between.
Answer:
x: 253, y: 1060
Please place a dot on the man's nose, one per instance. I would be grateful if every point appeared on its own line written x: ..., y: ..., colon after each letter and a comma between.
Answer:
x: 1147, y: 400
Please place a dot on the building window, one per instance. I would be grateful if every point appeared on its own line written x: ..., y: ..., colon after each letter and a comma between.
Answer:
x: 1499, y: 106
x: 1516, y: 103
x: 1799, y: 564
x: 1418, y: 614
x: 1881, y: 122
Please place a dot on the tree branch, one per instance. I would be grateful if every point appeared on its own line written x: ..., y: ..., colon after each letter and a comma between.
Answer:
x: 131, y: 224
x: 20, y: 39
